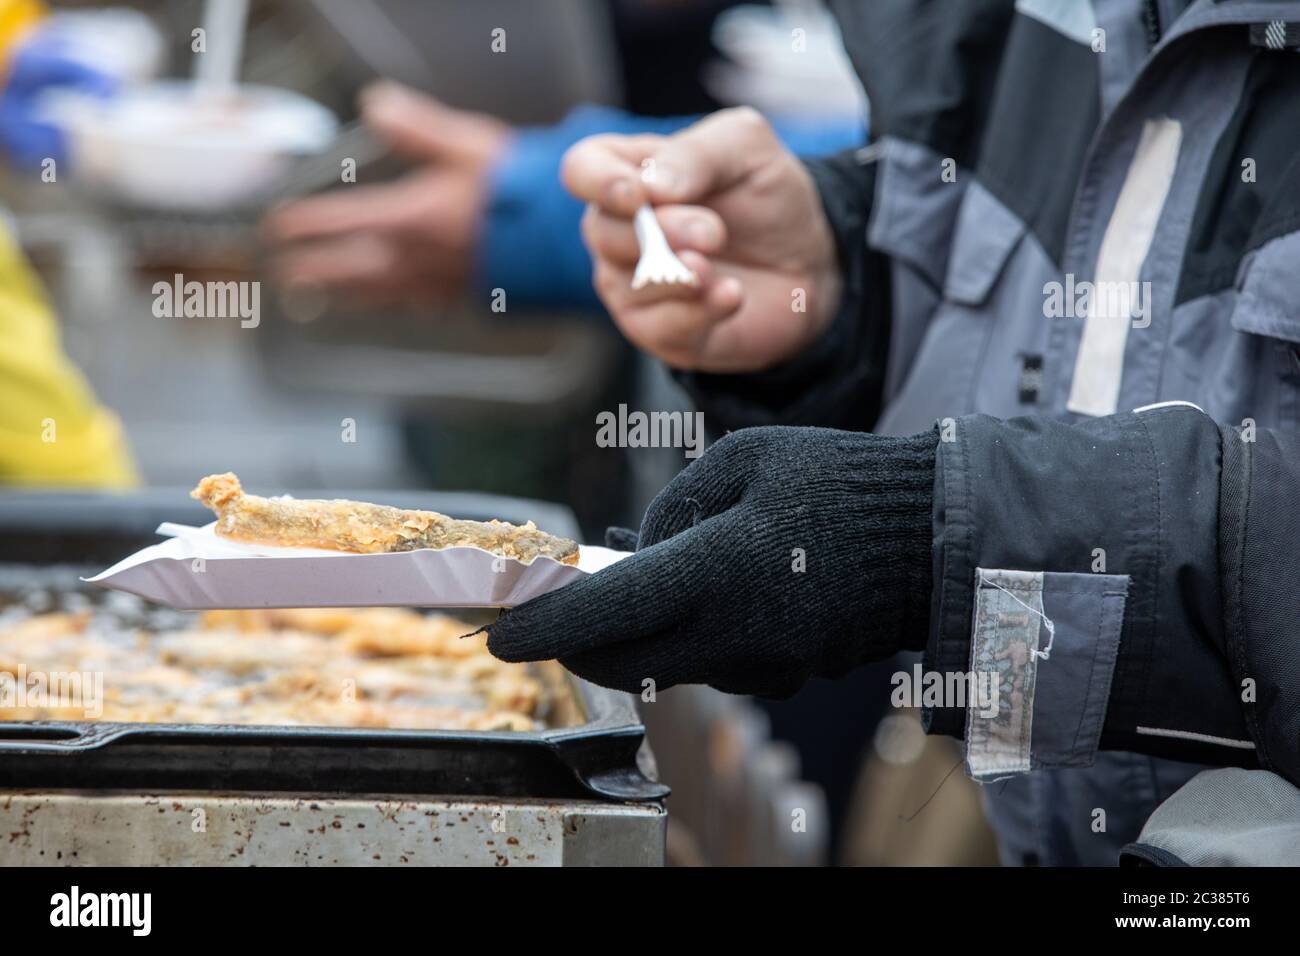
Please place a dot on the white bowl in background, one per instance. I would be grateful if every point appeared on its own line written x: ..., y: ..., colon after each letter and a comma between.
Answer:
x: 172, y: 145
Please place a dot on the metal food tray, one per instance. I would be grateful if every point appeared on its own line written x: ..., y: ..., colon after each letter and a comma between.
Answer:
x: 601, y: 756
x: 598, y: 758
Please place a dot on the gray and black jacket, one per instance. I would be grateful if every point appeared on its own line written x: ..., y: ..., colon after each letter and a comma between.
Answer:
x: 1074, y: 242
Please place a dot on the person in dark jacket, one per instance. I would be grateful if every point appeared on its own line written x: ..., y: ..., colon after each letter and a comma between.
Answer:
x: 1061, y: 287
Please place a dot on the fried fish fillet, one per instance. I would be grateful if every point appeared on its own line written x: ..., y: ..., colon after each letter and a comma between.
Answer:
x: 341, y: 525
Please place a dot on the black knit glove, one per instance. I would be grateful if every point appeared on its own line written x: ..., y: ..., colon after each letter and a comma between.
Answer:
x: 780, y: 554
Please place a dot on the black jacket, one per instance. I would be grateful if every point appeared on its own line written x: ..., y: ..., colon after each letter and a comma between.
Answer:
x: 1011, y: 161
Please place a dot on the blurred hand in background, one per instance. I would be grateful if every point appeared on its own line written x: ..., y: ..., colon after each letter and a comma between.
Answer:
x: 745, y: 217
x: 403, y: 242
x: 41, y: 55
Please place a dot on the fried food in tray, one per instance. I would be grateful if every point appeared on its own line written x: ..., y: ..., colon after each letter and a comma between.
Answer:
x: 381, y: 668
x: 341, y: 525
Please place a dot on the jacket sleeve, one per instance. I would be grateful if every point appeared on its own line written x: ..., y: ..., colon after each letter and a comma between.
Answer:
x: 838, y: 381
x: 1127, y: 583
x: 929, y: 69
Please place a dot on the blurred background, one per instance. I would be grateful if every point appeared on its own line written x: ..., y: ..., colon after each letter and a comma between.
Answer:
x: 444, y: 391
x: 424, y: 313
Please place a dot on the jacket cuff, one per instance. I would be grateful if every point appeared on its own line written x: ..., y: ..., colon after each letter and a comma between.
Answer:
x: 1259, y: 528
x: 838, y: 380
x: 1076, y: 583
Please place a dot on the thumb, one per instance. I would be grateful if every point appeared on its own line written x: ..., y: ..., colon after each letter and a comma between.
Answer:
x: 708, y: 486
x: 620, y: 539
x: 709, y: 157
x: 422, y: 128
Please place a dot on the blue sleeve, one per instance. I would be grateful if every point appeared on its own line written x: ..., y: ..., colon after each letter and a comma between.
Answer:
x: 530, y: 244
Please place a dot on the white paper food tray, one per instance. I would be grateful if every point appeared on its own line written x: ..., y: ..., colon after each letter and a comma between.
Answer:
x: 197, y: 570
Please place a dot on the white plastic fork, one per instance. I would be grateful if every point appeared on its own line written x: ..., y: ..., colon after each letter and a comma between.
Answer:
x: 658, y: 264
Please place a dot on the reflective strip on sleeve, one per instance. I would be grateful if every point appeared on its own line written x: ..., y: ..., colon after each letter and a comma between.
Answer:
x: 1004, y: 639
x: 1043, y: 652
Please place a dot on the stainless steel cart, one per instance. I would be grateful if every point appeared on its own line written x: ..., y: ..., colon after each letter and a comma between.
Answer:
x: 97, y: 793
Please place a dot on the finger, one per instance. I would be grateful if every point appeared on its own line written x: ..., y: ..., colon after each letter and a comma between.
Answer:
x: 723, y: 294
x: 609, y: 237
x: 613, y: 284
x: 622, y: 603
x: 348, y: 262
x: 368, y: 271
x: 620, y: 539
x: 660, y: 658
x: 420, y: 127
x: 653, y: 292
x: 706, y: 489
x: 693, y: 227
x: 606, y: 169
x: 686, y: 227
x: 674, y: 316
x: 685, y: 352
x: 339, y: 212
x: 712, y: 155
x: 671, y: 648
x: 716, y: 296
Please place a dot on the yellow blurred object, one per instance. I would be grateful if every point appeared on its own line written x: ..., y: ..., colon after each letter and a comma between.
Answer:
x: 16, y: 18
x: 52, y: 431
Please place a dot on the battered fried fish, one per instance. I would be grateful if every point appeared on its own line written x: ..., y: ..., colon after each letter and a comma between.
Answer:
x: 340, y: 525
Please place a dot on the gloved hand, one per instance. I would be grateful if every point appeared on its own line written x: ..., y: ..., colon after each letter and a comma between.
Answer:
x: 780, y: 554
x: 42, y: 62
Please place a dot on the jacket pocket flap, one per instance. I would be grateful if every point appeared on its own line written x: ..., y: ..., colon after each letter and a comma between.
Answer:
x: 1269, y: 298
x: 1043, y: 650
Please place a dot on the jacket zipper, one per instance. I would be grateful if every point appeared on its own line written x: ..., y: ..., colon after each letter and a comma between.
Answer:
x: 1151, y: 21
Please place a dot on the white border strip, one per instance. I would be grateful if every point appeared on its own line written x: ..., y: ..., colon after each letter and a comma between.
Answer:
x: 1175, y: 403
x: 1199, y: 738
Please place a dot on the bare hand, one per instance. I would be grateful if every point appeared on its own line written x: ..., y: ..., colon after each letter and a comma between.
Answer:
x: 409, y: 241
x: 741, y: 212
